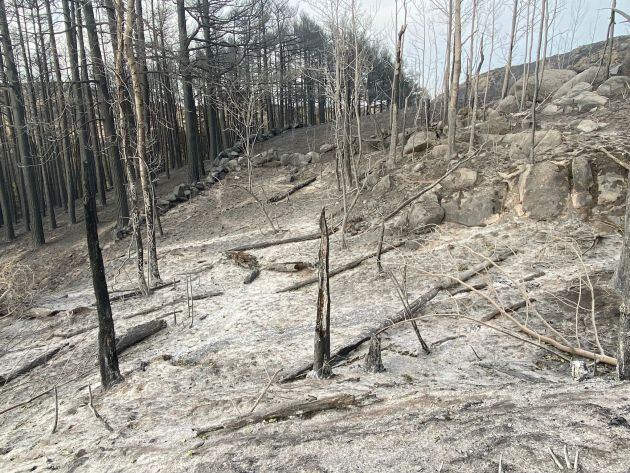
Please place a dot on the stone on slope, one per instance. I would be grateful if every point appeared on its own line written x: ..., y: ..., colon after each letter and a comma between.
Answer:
x: 582, y: 178
x: 552, y: 80
x: 382, y: 186
x: 473, y: 208
x: 545, y: 141
x: 544, y: 190
x: 460, y: 179
x: 594, y: 75
x: 419, y: 141
x: 326, y: 147
x: 314, y: 156
x: 426, y: 211
x: 587, y: 126
x: 615, y: 86
x: 507, y: 105
x: 611, y: 187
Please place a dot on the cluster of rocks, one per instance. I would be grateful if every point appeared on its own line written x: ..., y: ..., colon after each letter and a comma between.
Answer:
x: 542, y: 191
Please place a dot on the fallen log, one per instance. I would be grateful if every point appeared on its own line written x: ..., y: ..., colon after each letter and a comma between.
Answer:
x: 196, y: 297
x: 30, y: 365
x: 283, y: 412
x: 294, y: 189
x: 284, y: 241
x: 137, y: 292
x: 351, y: 265
x: 511, y: 308
x: 138, y: 333
x: 400, y: 316
x: 484, y: 284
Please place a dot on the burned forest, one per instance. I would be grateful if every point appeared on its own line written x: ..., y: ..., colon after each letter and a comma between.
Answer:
x: 300, y: 236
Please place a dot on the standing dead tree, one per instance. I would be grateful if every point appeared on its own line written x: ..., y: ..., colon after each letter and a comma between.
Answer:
x: 321, y: 360
x: 457, y: 67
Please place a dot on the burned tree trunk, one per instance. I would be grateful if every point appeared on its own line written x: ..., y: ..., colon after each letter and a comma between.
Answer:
x: 373, y: 361
x: 321, y: 361
x: 107, y: 356
x: 26, y: 151
x: 457, y: 66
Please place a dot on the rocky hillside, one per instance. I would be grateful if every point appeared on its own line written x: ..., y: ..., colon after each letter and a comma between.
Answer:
x: 499, y: 248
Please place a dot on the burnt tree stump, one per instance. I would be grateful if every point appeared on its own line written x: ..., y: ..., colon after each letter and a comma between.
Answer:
x: 321, y: 361
x: 373, y: 361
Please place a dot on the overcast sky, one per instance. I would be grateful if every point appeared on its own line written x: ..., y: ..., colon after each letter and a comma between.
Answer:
x: 590, y: 18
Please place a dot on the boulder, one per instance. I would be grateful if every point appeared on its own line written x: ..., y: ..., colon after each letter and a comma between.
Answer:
x: 232, y: 165
x: 172, y: 198
x: 179, y: 190
x: 439, y: 151
x: 382, y: 186
x: 582, y: 100
x: 587, y: 126
x: 473, y: 208
x: 460, y: 179
x: 419, y: 141
x: 611, y: 187
x: 314, y: 156
x: 294, y: 159
x: 242, y: 161
x: 544, y: 190
x: 552, y: 80
x: 265, y: 157
x: 326, y: 147
x: 551, y: 109
x: 494, y: 126
x: 545, y: 141
x: 426, y: 211
x: 593, y: 75
x: 507, y: 105
x: 616, y: 86
x: 200, y: 186
x: 582, y: 178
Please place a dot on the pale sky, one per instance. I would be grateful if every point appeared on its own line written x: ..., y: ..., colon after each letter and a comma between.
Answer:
x: 590, y: 17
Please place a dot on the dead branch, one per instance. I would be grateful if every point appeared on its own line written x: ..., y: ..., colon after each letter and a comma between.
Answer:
x: 30, y: 365
x: 94, y: 411
x: 136, y: 293
x: 537, y: 336
x: 414, y: 307
x: 284, y: 241
x: 621, y: 163
x: 264, y: 391
x: 294, y: 189
x: 138, y: 333
x: 283, y: 412
x: 351, y: 265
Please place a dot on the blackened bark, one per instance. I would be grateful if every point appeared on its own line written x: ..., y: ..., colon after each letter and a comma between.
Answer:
x: 321, y: 361
x: 107, y: 356
x: 22, y: 134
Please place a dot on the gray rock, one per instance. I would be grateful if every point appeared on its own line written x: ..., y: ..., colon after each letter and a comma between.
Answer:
x: 494, y: 126
x: 300, y: 160
x: 473, y: 208
x: 172, y: 198
x: 593, y: 75
x: 285, y: 159
x: 265, y: 157
x: 419, y: 141
x: 460, y: 179
x: 551, y: 109
x: 615, y: 86
x: 587, y: 126
x: 545, y: 141
x: 200, y: 186
x: 242, y: 161
x: 552, y: 80
x: 439, y: 151
x: 611, y: 187
x: 383, y: 186
x: 232, y: 165
x: 326, y: 147
x: 179, y: 190
x: 544, y: 189
x: 583, y: 101
x: 507, y: 105
x: 582, y: 178
x: 314, y: 156
x: 426, y: 211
